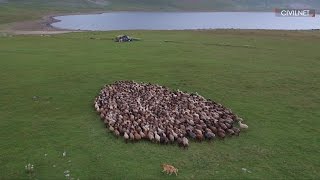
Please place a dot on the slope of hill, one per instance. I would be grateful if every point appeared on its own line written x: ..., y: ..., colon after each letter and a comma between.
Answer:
x: 167, y: 4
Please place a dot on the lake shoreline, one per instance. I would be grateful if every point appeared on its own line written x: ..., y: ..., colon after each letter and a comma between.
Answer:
x: 44, y: 25
x: 206, y: 20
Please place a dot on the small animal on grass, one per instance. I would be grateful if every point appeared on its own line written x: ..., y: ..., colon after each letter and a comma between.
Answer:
x: 243, y: 126
x: 169, y: 169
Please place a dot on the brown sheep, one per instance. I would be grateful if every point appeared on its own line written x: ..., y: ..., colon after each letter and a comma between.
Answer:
x: 223, y: 126
x: 180, y: 141
x: 139, y: 110
x: 221, y: 134
x: 230, y: 131
x: 131, y: 135
x: 151, y: 136
x: 117, y: 133
x: 199, y: 135
x: 157, y: 137
x: 126, y: 137
x: 137, y: 136
x: 143, y: 136
x: 102, y: 116
x: 171, y: 138
x: 236, y: 131
x: 185, y: 142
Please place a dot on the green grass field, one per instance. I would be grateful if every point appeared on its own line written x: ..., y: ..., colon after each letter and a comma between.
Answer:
x: 270, y: 78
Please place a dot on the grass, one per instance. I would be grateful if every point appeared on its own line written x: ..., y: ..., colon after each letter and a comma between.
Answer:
x: 270, y: 78
x: 33, y: 10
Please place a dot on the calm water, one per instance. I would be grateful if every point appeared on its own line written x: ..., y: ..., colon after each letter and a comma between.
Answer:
x: 185, y: 20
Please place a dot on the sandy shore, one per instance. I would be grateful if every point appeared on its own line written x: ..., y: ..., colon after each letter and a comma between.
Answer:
x: 41, y: 26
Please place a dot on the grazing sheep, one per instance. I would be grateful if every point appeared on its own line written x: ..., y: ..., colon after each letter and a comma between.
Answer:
x: 137, y: 136
x: 230, y: 131
x: 185, y: 142
x: 142, y: 135
x: 213, y: 129
x: 209, y: 135
x: 199, y: 135
x: 145, y: 111
x: 236, y: 131
x: 221, y: 133
x: 171, y: 138
x: 191, y: 134
x: 102, y: 116
x: 126, y: 137
x: 151, y: 136
x: 96, y: 106
x: 131, y: 136
x: 180, y: 142
x: 117, y: 133
x: 175, y: 135
x: 223, y: 126
x: 239, y: 119
x: 157, y: 137
x: 243, y: 126
x: 229, y: 126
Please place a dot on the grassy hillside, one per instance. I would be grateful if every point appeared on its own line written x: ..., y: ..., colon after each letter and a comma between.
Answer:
x: 269, y: 78
x: 18, y: 10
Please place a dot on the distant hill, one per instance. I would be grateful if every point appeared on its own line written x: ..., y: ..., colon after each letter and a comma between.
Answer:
x: 21, y: 10
x: 167, y: 5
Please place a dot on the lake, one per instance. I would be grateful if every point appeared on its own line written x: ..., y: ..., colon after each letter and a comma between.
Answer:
x: 184, y: 20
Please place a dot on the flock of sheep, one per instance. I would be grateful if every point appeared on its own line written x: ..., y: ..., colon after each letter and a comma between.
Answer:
x: 139, y: 111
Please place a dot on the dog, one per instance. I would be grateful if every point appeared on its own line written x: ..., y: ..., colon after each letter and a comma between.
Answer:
x: 169, y: 169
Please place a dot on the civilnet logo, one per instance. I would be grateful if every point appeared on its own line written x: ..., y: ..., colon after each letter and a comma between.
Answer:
x: 295, y: 12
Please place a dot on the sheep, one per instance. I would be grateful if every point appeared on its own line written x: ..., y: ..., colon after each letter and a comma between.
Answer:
x: 236, y: 131
x: 142, y: 135
x: 157, y: 137
x: 199, y: 135
x: 171, y: 138
x: 209, y: 135
x: 131, y: 136
x: 151, y: 136
x: 185, y: 142
x: 137, y: 136
x: 239, y: 119
x: 175, y: 135
x: 221, y: 134
x: 145, y: 111
x: 102, y: 116
x: 96, y: 106
x: 126, y: 137
x: 223, y: 126
x: 243, y: 126
x: 117, y: 133
x: 230, y: 132
x: 191, y: 134
x: 180, y: 141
